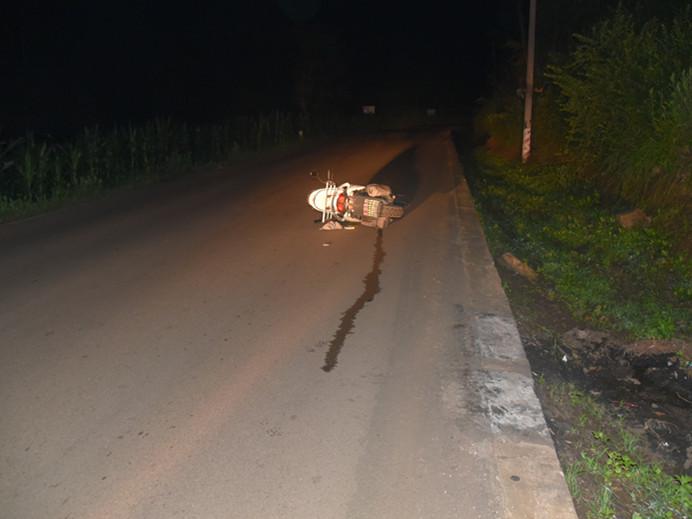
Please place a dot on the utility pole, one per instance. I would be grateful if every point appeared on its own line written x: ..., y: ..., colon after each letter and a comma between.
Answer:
x: 528, y: 97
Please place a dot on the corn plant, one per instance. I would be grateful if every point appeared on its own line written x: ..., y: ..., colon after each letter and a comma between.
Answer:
x: 33, y: 170
x: 34, y: 166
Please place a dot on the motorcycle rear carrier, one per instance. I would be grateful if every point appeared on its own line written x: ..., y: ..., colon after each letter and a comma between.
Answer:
x: 367, y: 207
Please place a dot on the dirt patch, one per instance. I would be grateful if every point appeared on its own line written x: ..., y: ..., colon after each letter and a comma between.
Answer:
x: 658, y: 346
x: 599, y: 390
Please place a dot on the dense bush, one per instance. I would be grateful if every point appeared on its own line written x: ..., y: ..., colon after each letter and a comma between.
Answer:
x: 499, y: 123
x: 627, y: 99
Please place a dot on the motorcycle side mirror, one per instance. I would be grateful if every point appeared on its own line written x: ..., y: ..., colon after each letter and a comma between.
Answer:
x: 316, y: 175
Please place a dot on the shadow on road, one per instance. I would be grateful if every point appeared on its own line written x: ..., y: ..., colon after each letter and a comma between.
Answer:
x: 407, y: 181
x: 401, y: 174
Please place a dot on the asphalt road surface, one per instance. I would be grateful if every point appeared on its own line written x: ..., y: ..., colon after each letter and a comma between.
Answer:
x: 200, y: 349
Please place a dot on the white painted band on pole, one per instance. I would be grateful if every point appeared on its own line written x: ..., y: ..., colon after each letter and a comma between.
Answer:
x: 528, y: 98
x: 526, y: 143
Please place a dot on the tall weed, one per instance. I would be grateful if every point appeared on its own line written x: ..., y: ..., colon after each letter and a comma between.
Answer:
x: 627, y: 99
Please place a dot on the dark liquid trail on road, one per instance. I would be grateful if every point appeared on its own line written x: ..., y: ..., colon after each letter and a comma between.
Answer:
x: 372, y: 287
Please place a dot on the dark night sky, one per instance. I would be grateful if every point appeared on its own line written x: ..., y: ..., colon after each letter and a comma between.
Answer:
x: 78, y: 62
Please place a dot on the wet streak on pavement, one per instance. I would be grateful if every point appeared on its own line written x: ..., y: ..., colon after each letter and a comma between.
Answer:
x: 372, y: 288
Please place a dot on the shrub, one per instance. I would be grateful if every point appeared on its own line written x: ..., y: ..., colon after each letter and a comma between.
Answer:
x: 627, y: 99
x: 499, y: 125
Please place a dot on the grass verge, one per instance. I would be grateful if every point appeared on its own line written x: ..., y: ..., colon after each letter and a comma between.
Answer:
x: 634, y: 281
x: 609, y: 474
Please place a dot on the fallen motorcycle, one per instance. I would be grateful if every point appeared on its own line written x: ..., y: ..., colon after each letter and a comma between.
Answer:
x: 372, y: 205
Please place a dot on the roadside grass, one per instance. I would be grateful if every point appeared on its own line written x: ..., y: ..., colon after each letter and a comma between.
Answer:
x: 610, y: 475
x: 41, y: 173
x: 635, y: 281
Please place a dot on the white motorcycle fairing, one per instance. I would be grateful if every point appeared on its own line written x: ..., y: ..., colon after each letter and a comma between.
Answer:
x: 326, y: 199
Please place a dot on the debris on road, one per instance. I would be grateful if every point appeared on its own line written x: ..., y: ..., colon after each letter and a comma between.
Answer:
x: 332, y: 225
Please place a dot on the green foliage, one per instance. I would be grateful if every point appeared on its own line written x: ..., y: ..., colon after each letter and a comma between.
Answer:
x: 499, y: 123
x: 611, y: 476
x: 632, y: 280
x: 572, y: 474
x: 649, y: 491
x: 36, y: 172
x: 627, y: 99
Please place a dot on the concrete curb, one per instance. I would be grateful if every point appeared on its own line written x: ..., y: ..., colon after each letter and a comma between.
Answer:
x: 530, y: 481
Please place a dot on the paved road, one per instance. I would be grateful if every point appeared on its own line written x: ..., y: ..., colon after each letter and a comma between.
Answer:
x: 201, y: 350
